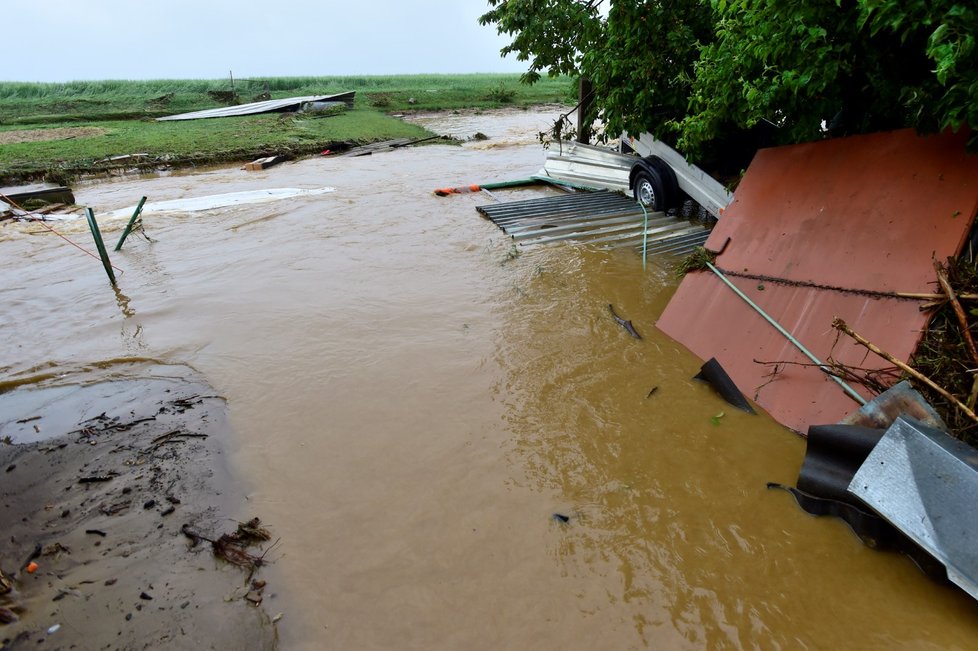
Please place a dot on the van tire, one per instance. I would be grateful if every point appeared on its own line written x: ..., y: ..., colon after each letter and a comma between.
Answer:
x: 649, y: 191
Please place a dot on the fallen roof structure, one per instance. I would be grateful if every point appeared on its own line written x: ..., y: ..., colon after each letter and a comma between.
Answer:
x: 605, y: 218
x: 836, y: 228
x: 269, y: 106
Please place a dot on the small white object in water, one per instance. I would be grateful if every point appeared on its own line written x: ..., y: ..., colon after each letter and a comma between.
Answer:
x: 54, y: 629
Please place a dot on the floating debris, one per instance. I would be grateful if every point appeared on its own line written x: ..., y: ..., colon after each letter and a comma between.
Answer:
x: 627, y: 325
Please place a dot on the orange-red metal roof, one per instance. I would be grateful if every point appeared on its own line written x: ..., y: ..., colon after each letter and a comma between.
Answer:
x: 861, y: 213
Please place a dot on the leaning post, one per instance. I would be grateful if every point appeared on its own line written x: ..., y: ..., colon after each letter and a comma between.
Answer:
x: 99, y: 244
x: 132, y: 222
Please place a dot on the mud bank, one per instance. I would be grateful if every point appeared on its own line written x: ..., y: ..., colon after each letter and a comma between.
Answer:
x: 98, y: 480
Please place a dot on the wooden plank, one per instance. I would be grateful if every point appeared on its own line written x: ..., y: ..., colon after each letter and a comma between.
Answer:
x: 263, y: 163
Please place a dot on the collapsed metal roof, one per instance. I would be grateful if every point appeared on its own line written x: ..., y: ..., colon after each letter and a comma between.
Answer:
x: 924, y: 483
x: 820, y: 230
x: 606, y: 218
x: 254, y: 108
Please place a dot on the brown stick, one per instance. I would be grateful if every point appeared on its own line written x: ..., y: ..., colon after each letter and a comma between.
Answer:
x: 963, y: 322
x: 958, y: 311
x: 841, y: 325
x: 935, y: 297
x: 973, y: 398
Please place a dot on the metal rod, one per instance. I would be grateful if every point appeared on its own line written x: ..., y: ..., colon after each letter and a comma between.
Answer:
x: 132, y: 222
x: 494, y: 197
x: 645, y: 233
x: 99, y: 244
x: 797, y: 344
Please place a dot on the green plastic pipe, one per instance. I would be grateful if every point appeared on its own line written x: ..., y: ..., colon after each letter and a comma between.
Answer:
x: 508, y: 184
x: 645, y: 232
x: 99, y: 244
x: 132, y: 222
x: 845, y: 387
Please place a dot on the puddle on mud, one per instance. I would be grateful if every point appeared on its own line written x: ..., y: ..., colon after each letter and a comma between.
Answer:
x: 414, y: 403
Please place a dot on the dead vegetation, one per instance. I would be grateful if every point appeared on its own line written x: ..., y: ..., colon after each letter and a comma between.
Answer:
x: 233, y: 547
x: 226, y: 97
x: 698, y: 259
x: 944, y: 354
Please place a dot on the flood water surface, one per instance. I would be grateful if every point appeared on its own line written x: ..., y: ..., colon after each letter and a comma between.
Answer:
x: 416, y: 402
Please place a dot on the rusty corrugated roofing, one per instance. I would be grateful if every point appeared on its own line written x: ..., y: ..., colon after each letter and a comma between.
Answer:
x: 865, y: 213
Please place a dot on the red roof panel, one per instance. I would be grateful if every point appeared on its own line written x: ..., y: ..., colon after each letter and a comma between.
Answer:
x: 862, y: 213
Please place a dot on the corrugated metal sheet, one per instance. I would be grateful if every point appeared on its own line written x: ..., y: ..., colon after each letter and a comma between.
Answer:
x: 596, y: 167
x: 924, y: 483
x: 860, y: 213
x: 254, y: 108
x: 605, y: 218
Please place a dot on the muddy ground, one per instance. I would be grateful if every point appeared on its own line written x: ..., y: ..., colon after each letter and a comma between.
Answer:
x: 57, y: 133
x: 98, y: 483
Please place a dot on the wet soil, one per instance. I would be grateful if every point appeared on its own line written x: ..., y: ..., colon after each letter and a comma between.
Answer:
x: 98, y: 479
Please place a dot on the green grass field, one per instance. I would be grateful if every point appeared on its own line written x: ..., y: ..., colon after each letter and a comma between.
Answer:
x: 125, y: 112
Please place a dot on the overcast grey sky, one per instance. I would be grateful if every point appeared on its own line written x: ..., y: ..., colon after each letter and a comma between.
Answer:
x: 64, y: 40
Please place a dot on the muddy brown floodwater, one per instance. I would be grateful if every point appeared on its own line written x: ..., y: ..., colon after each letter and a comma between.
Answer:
x: 412, y: 404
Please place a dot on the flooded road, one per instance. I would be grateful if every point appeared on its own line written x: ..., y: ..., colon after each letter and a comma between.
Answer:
x: 414, y: 400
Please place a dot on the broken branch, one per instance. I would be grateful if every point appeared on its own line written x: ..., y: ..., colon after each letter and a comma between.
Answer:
x: 958, y: 310
x: 841, y: 325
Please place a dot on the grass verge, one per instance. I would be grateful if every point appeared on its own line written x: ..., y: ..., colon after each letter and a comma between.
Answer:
x: 120, y: 118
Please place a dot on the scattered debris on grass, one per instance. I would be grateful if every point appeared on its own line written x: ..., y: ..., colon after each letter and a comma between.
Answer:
x: 226, y: 97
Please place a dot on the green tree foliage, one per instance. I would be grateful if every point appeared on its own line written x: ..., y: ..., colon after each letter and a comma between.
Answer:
x: 642, y: 69
x: 946, y: 30
x: 845, y: 66
x: 551, y: 34
x: 697, y: 69
x: 639, y: 56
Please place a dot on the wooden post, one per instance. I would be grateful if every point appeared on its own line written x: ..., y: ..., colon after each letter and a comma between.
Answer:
x: 93, y: 225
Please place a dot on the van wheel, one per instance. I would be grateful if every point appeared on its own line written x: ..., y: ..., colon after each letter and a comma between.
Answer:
x: 648, y: 190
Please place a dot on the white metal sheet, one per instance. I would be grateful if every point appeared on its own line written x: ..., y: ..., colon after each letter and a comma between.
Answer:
x: 925, y: 483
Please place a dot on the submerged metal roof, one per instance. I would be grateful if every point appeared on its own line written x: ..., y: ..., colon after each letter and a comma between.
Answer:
x: 269, y: 106
x: 813, y: 230
x: 606, y: 218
